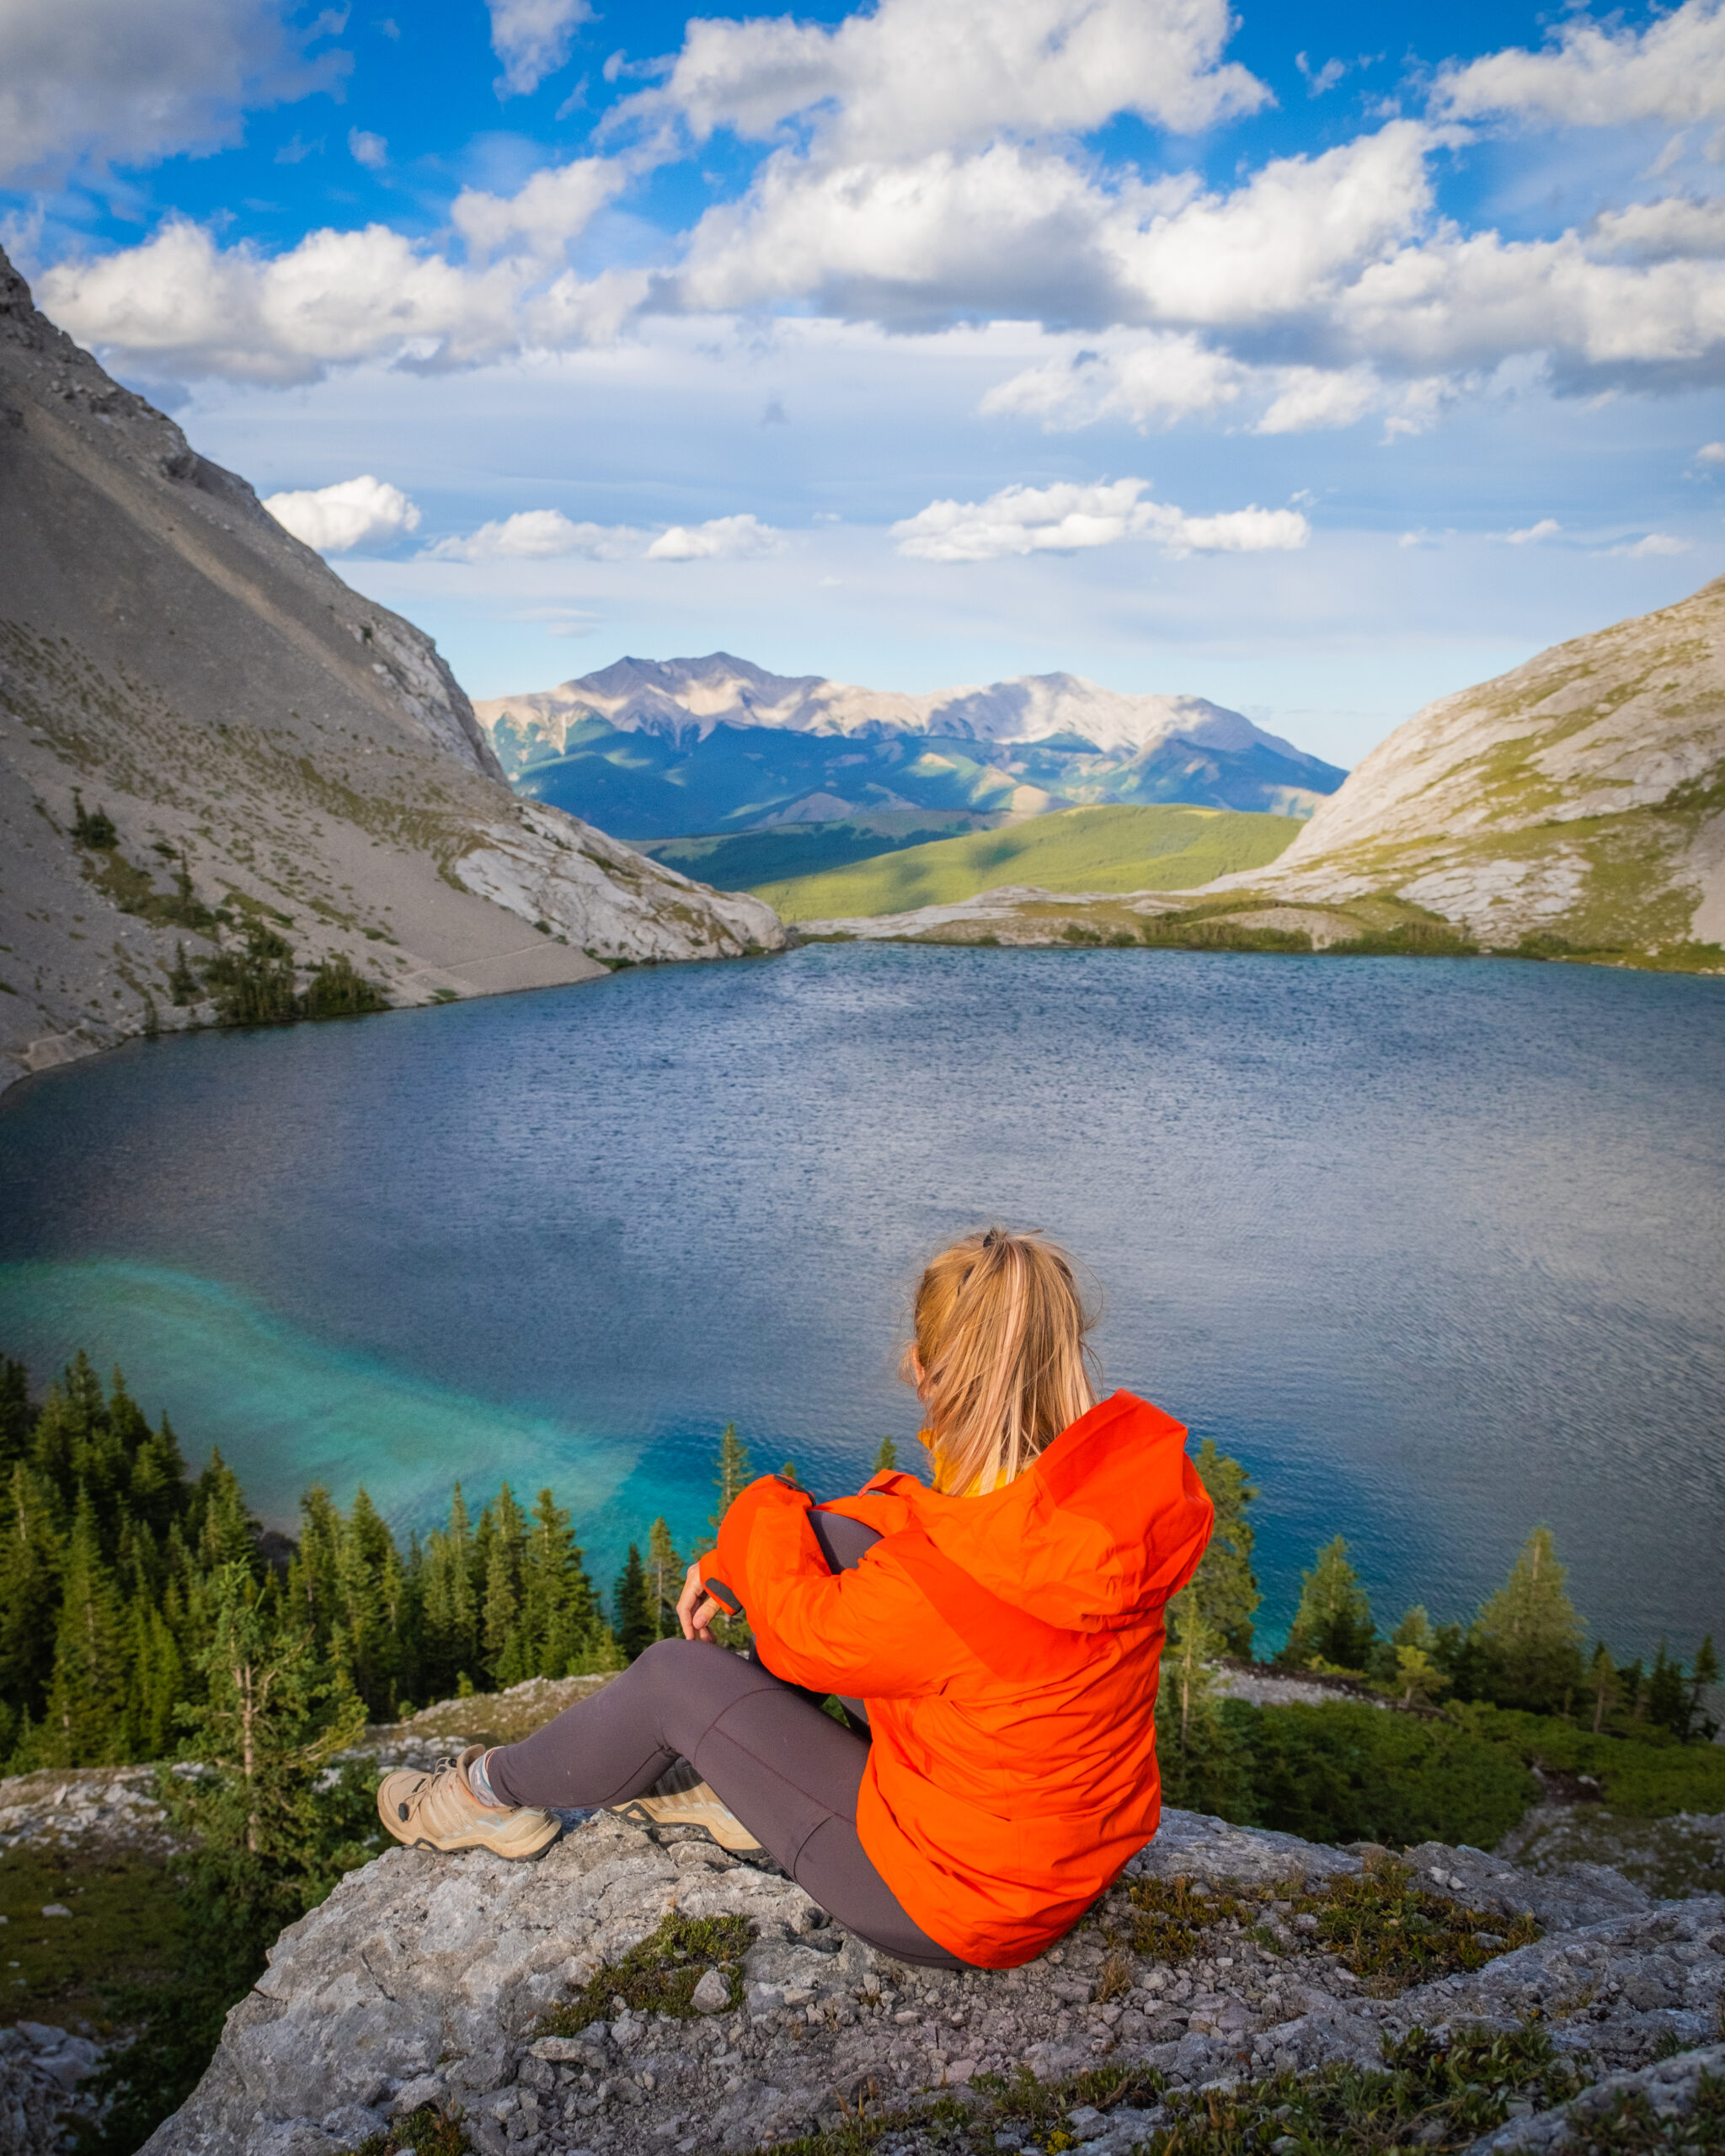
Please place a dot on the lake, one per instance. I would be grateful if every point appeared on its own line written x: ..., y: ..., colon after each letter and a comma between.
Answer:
x: 1433, y: 1246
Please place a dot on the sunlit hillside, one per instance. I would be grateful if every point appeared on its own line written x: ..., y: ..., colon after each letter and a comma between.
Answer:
x: 1109, y: 849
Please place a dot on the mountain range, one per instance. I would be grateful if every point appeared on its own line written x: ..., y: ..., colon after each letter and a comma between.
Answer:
x: 663, y: 748
x: 204, y: 732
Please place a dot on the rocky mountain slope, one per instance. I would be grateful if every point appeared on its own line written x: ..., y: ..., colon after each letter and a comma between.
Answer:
x: 426, y: 1981
x: 1574, y: 808
x: 267, y: 746
x: 1580, y: 798
x: 685, y: 745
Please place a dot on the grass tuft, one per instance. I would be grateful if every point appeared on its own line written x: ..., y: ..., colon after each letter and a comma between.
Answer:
x: 1431, y: 2094
x: 1379, y: 1925
x: 659, y: 1974
x: 424, y: 2132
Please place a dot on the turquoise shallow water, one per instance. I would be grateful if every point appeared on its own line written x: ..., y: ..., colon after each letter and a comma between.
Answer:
x: 1435, y: 1247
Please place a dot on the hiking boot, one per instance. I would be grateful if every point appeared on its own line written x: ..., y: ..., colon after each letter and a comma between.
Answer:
x: 438, y: 1811
x: 691, y: 1804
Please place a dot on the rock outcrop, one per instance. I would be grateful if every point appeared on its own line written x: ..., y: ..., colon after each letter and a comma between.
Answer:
x: 264, y: 744
x: 1580, y: 798
x: 425, y: 1980
x: 1574, y: 808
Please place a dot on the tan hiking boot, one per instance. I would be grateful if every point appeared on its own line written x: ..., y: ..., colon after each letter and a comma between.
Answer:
x: 691, y: 1802
x: 438, y: 1811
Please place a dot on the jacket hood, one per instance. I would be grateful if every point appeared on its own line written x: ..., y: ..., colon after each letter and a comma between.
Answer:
x: 1109, y: 1522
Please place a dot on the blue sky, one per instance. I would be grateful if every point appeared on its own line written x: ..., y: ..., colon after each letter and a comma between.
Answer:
x: 1313, y: 361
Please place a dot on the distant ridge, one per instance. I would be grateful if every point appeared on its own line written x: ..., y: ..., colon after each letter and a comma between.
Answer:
x: 660, y: 748
x: 678, y: 697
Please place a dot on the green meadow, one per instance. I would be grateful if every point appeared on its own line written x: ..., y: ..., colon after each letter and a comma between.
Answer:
x: 1109, y: 849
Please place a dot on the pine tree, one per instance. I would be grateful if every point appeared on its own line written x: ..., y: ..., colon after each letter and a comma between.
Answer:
x: 182, y: 982
x: 665, y: 1581
x: 1198, y: 1757
x: 734, y: 1475
x: 315, y: 1574
x: 158, y: 1493
x: 73, y: 1414
x: 561, y: 1629
x: 30, y: 1558
x: 370, y: 1587
x: 1332, y: 1624
x: 635, y: 1629
x: 1703, y: 1678
x: 450, y: 1602
x: 269, y: 1724
x: 1668, y: 1696
x: 158, y: 1686
x: 84, y: 1725
x: 1531, y: 1632
x: 1420, y: 1678
x: 1602, y: 1683
x: 503, y: 1531
x: 1226, y: 1589
x: 886, y: 1458
x: 18, y: 1414
x: 226, y: 1534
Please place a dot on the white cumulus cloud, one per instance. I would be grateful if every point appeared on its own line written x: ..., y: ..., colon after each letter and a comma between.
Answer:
x: 1592, y: 75
x: 554, y: 206
x: 533, y: 39
x: 540, y: 535
x: 352, y: 513
x: 1070, y: 517
x: 1547, y: 528
x: 1654, y: 545
x: 545, y: 534
x: 1164, y: 376
x: 906, y: 79
x: 114, y: 83
x: 1155, y: 380
x: 180, y: 301
x: 369, y: 150
x: 1711, y: 452
x: 721, y: 538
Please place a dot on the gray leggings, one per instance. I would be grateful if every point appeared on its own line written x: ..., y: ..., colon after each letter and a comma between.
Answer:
x: 786, y: 1768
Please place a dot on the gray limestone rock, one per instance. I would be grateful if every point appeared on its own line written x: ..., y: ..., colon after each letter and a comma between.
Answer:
x: 245, y: 718
x: 425, y: 1974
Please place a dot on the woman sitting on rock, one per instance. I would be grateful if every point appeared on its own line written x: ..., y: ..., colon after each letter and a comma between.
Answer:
x: 994, y: 1640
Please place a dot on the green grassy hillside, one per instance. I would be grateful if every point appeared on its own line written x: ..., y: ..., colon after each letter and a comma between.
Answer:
x: 741, y: 860
x: 1113, y: 849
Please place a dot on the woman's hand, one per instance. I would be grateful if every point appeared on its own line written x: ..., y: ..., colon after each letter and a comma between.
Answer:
x: 695, y: 1608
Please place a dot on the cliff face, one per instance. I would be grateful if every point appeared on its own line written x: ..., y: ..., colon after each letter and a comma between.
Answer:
x: 422, y: 1981
x: 245, y: 720
x: 1581, y: 796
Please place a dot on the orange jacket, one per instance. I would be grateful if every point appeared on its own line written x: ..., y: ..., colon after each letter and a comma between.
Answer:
x: 1007, y: 1647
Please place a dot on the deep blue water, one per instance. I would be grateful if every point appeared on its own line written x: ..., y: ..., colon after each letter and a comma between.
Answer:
x: 1435, y: 1247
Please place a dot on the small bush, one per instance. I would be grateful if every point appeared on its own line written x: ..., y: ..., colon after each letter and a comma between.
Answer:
x: 96, y: 831
x: 1341, y: 1773
x: 1646, y: 1777
x: 336, y: 990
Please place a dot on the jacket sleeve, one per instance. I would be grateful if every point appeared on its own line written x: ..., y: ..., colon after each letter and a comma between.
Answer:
x: 869, y: 1632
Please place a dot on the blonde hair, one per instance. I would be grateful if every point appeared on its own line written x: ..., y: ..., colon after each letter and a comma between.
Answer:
x: 998, y: 1357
